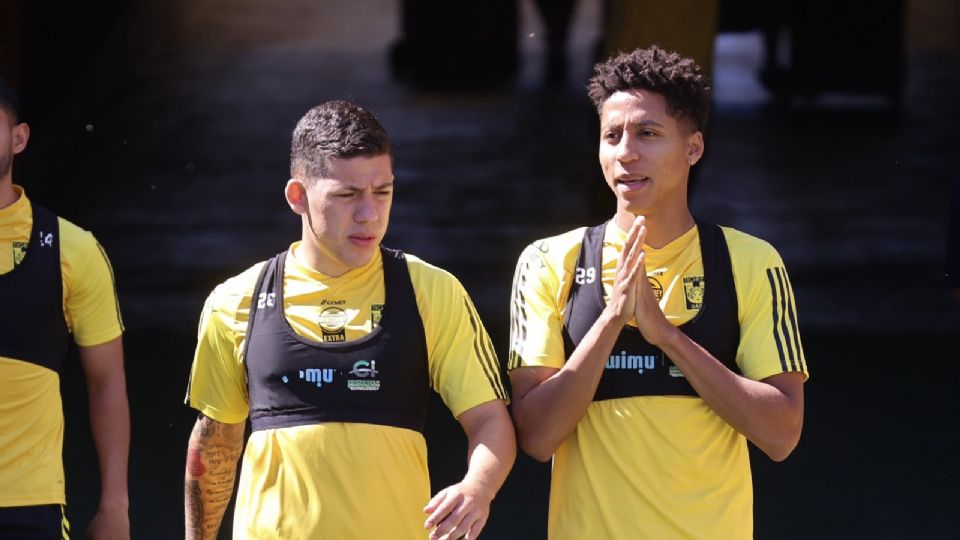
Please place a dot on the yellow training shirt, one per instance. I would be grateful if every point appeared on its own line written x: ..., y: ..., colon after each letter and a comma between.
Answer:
x: 339, y: 480
x: 652, y: 466
x: 31, y: 413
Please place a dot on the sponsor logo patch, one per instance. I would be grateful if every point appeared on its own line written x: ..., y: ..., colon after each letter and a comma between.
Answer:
x: 693, y: 287
x: 333, y: 324
x: 19, y: 252
x: 376, y: 314
x: 656, y: 286
x: 367, y: 373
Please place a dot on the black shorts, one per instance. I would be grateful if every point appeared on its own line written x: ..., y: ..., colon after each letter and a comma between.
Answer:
x: 43, y: 522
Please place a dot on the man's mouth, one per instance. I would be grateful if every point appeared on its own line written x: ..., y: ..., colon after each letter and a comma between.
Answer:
x: 632, y: 182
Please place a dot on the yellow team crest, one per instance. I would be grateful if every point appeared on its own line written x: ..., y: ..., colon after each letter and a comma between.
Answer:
x: 19, y: 252
x: 693, y: 287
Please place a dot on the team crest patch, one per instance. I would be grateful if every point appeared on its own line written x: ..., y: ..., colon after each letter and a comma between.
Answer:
x: 656, y: 286
x: 19, y: 252
x: 376, y: 314
x: 693, y: 287
x: 333, y: 324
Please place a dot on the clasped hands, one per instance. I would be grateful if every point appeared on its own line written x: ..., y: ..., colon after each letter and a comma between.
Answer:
x: 632, y: 297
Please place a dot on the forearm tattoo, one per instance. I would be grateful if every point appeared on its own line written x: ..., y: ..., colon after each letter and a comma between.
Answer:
x: 211, y: 469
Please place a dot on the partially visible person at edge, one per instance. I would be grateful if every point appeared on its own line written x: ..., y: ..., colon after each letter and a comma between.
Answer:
x: 646, y: 351
x: 55, y: 280
x: 331, y: 348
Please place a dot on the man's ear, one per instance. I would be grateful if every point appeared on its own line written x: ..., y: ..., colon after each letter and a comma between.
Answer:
x: 694, y: 147
x: 21, y: 135
x: 296, y: 195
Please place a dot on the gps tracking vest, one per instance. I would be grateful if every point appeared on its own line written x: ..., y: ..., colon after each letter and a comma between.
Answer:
x: 380, y: 378
x: 635, y: 367
x: 34, y: 327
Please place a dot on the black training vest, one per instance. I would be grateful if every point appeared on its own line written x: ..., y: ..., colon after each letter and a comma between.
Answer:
x: 380, y: 378
x: 635, y: 367
x: 34, y: 327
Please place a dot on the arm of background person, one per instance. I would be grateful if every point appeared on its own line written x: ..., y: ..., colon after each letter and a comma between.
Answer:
x: 212, y: 454
x: 461, y: 510
x: 110, y: 426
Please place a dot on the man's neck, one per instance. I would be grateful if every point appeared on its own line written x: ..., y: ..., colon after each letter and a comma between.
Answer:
x: 8, y: 195
x: 662, y: 227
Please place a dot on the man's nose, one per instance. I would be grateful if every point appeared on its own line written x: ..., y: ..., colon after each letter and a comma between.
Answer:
x: 366, y: 209
x: 627, y: 149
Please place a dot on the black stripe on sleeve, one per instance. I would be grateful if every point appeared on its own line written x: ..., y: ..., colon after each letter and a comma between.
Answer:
x: 784, y: 306
x: 793, y: 322
x: 485, y: 362
x: 518, y: 315
x: 113, y: 283
x: 776, y: 318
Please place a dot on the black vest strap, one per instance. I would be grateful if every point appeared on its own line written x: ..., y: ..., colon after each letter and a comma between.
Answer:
x: 34, y: 327
x: 635, y: 367
x: 381, y: 378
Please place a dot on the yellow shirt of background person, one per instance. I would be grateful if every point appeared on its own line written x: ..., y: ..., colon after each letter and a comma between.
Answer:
x: 290, y: 473
x: 31, y: 413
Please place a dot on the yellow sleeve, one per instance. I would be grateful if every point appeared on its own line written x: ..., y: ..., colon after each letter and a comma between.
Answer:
x: 218, y: 379
x: 769, y: 331
x: 462, y: 362
x: 540, y: 285
x: 90, y: 296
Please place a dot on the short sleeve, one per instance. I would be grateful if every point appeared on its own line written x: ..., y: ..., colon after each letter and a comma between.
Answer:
x: 463, y: 364
x: 769, y: 332
x: 535, y: 319
x: 218, y: 386
x: 90, y: 296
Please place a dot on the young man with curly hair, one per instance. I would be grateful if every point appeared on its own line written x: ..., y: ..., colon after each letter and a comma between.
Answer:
x: 331, y: 349
x: 645, y: 352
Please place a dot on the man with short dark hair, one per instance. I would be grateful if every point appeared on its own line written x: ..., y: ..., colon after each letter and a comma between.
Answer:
x: 646, y: 351
x: 331, y: 349
x: 56, y: 284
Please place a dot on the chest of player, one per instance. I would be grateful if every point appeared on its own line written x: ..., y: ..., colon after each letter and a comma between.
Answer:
x: 381, y: 378
x: 34, y: 327
x: 634, y: 366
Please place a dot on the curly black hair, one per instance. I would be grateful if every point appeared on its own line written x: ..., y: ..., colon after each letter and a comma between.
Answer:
x: 335, y: 129
x: 677, y: 78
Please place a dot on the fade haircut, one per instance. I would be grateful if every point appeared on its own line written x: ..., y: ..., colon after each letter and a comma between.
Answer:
x: 9, y: 101
x: 335, y: 129
x: 677, y: 78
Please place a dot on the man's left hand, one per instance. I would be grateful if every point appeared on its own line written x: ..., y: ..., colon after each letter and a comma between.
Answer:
x: 458, y: 511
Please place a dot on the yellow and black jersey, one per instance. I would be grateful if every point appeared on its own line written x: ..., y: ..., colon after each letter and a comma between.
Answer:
x: 31, y: 416
x: 654, y: 465
x: 324, y: 479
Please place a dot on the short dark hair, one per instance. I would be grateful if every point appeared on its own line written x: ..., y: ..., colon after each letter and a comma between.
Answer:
x: 335, y: 129
x: 677, y: 78
x: 9, y: 100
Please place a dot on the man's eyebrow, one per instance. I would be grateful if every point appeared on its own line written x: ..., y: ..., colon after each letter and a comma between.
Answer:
x: 642, y: 123
x: 354, y: 189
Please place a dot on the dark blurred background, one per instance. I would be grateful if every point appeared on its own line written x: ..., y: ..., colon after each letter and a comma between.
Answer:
x: 164, y: 127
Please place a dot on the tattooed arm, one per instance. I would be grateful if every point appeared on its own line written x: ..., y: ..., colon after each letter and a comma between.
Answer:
x: 212, y: 455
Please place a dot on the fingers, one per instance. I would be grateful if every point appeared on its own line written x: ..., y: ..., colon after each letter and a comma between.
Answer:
x: 628, y: 267
x: 439, y: 507
x: 631, y: 247
x: 465, y: 525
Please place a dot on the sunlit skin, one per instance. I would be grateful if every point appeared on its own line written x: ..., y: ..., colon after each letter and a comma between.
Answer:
x: 345, y: 215
x: 13, y: 140
x: 646, y: 155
